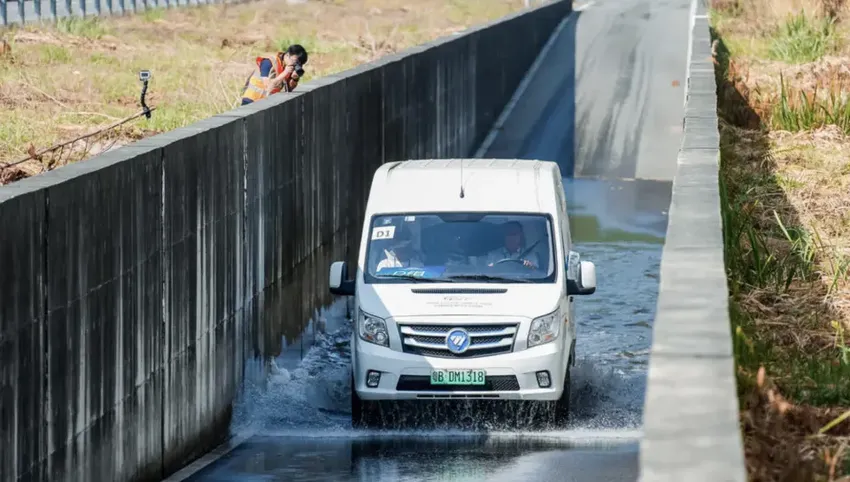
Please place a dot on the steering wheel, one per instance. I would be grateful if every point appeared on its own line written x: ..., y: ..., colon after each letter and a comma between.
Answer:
x: 510, y: 260
x: 520, y: 262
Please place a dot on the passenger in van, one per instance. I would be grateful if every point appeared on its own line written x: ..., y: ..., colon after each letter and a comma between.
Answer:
x: 513, y: 247
x: 401, y: 255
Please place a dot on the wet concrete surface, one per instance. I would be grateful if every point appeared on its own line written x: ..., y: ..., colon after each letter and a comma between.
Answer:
x: 462, y: 458
x: 294, y: 412
x: 608, y: 98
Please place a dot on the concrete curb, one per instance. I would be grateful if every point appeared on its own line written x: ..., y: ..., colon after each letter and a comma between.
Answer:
x: 691, y: 430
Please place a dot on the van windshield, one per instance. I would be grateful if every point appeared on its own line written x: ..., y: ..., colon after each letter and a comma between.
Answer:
x: 460, y: 248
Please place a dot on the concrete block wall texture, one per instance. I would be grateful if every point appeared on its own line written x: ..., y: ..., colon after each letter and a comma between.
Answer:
x: 690, y: 419
x: 128, y: 281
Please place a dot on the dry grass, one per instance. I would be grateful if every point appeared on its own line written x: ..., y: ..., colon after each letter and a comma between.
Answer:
x: 784, y: 441
x: 784, y: 80
x: 59, y: 82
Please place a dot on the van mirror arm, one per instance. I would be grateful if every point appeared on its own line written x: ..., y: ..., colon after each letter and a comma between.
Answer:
x: 339, y: 283
x: 346, y: 288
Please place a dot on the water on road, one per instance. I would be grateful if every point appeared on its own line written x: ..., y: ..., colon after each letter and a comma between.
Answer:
x: 292, y: 422
x: 297, y: 420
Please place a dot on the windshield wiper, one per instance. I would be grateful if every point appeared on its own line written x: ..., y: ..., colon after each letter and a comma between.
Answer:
x: 413, y: 278
x: 487, y: 277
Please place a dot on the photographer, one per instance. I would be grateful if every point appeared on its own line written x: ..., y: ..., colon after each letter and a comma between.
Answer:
x: 276, y: 72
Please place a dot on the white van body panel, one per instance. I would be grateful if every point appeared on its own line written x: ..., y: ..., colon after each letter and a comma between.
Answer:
x: 489, y: 185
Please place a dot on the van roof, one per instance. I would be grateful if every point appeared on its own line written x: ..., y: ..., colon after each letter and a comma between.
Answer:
x: 489, y: 185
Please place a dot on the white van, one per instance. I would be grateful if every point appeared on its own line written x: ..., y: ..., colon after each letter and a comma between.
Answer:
x: 464, y: 285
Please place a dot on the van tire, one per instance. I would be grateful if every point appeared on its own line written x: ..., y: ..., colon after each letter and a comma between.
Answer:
x: 356, y: 407
x: 362, y: 411
x: 562, y: 405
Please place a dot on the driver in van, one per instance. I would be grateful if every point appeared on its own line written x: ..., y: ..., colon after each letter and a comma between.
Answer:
x: 402, y: 254
x: 513, y: 247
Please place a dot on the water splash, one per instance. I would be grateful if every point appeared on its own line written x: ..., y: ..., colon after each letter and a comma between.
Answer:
x: 312, y: 395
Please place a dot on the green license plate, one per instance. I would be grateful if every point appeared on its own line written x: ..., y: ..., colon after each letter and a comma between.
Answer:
x: 458, y: 377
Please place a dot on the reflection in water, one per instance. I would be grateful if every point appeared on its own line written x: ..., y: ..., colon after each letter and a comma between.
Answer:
x: 613, y: 211
x: 459, y: 458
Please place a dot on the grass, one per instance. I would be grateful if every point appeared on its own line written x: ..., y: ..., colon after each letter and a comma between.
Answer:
x: 59, y: 82
x: 799, y: 109
x: 802, y: 38
x: 785, y: 193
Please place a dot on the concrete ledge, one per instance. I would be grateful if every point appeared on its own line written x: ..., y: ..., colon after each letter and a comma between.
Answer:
x: 131, y: 281
x: 691, y: 430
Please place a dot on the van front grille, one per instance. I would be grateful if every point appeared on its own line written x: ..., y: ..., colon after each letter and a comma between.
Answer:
x: 485, y: 340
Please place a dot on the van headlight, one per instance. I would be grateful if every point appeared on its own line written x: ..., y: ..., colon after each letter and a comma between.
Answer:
x: 372, y: 329
x: 544, y: 329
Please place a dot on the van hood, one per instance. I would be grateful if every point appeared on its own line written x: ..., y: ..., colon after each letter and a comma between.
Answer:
x: 488, y: 299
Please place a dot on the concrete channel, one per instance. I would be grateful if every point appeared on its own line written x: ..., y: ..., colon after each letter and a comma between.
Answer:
x: 195, y: 311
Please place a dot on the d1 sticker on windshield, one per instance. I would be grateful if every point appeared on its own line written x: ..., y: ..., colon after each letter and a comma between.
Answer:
x: 384, y: 232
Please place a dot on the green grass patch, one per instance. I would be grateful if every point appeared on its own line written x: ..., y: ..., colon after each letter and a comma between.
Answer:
x: 153, y: 14
x: 803, y: 38
x: 88, y: 27
x: 804, y: 377
x: 101, y: 59
x: 799, y: 110
x: 54, y: 54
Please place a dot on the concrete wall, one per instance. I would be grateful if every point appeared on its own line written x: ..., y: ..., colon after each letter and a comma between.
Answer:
x: 691, y: 411
x: 126, y: 280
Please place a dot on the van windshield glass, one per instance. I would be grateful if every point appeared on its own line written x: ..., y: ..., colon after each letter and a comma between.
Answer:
x: 460, y: 248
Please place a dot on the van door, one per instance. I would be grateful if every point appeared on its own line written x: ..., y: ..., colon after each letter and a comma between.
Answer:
x: 567, y: 246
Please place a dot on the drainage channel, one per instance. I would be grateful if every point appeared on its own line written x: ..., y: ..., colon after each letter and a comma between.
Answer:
x: 292, y: 422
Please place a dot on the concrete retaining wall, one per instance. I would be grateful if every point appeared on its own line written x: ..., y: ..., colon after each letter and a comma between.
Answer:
x: 126, y: 279
x: 691, y: 411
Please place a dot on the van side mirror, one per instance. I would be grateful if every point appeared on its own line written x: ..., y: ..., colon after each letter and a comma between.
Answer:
x: 587, y: 281
x: 581, y: 276
x: 339, y: 282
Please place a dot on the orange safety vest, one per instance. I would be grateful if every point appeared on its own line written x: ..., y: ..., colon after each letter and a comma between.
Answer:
x: 255, y: 88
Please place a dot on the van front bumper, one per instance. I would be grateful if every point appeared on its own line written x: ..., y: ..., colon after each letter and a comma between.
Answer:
x: 509, y: 376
